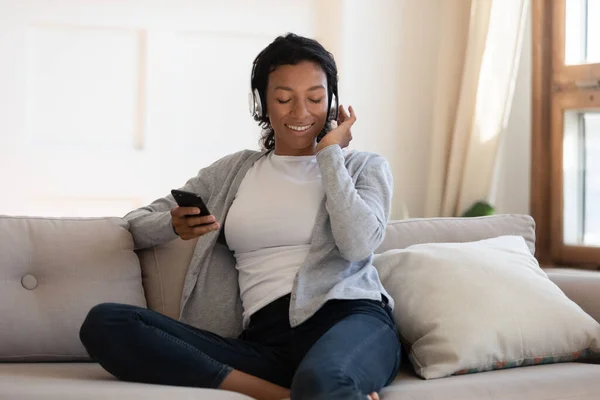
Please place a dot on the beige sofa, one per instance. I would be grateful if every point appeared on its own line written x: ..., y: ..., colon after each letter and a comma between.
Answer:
x: 53, y: 270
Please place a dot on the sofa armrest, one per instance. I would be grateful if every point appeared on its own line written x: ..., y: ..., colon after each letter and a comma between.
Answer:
x: 581, y: 286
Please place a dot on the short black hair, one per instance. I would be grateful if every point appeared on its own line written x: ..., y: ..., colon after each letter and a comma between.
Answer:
x: 290, y: 49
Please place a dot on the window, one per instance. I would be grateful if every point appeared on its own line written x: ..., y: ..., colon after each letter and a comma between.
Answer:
x: 566, y: 131
x: 582, y: 32
x: 581, y: 177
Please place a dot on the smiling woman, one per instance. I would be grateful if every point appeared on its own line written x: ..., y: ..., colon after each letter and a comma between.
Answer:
x: 297, y: 107
x: 298, y: 84
x: 302, y: 219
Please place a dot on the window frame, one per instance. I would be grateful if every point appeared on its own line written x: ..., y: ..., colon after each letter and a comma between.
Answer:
x: 556, y: 87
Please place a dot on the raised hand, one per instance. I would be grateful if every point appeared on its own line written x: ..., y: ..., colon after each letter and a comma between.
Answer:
x: 341, y: 135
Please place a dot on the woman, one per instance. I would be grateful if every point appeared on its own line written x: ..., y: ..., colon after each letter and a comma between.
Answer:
x: 302, y: 219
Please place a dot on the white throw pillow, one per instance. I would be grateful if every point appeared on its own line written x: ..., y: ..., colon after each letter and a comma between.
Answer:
x: 477, y: 306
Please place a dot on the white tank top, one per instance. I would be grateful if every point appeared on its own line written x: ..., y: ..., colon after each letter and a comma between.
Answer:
x: 269, y: 226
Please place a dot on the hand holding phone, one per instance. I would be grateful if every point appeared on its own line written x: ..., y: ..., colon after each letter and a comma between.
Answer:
x: 191, y: 219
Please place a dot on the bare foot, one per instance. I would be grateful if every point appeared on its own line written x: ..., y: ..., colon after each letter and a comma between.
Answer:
x: 373, y: 396
x: 238, y: 381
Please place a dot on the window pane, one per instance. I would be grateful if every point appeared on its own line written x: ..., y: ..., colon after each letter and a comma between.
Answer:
x: 581, y: 169
x: 582, y: 31
x: 592, y: 179
x: 593, y: 31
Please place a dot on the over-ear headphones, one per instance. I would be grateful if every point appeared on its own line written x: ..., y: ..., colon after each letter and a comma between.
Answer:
x: 257, y: 109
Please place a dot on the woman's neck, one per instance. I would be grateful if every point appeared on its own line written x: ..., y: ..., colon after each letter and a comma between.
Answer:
x: 309, y: 151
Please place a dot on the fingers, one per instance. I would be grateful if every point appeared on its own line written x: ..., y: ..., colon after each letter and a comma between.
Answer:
x: 342, y: 114
x: 188, y: 232
x: 352, y: 113
x: 188, y: 226
x: 181, y: 212
x: 195, y: 221
x: 204, y: 229
x: 348, y: 120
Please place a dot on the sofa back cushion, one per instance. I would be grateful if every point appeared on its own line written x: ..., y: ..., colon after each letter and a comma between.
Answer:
x: 164, y: 267
x: 401, y: 234
x: 52, y: 272
x: 163, y: 273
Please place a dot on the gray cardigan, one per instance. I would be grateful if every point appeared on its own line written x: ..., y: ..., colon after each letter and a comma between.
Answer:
x: 350, y: 225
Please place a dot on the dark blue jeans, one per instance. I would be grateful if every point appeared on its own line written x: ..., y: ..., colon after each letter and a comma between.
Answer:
x: 348, y: 349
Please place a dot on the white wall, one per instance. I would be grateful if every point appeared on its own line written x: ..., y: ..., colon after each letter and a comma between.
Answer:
x: 387, y: 53
x: 387, y: 58
x: 105, y: 106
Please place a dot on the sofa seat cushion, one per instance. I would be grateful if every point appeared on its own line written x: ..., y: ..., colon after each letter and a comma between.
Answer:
x: 66, y: 381
x: 52, y: 272
x: 572, y: 381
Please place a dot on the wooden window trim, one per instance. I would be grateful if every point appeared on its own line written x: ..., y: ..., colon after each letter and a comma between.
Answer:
x: 564, y: 76
x: 541, y: 78
x: 553, y: 91
x: 561, y: 253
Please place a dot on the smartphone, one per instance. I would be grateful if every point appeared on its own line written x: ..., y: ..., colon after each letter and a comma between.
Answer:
x: 189, y: 199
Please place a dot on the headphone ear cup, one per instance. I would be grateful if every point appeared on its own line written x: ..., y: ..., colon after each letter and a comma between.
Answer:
x: 255, y: 105
x: 251, y: 103
x: 333, y: 109
x: 258, y: 106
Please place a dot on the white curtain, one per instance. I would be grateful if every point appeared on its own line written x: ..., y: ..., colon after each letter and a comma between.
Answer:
x: 481, y: 43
